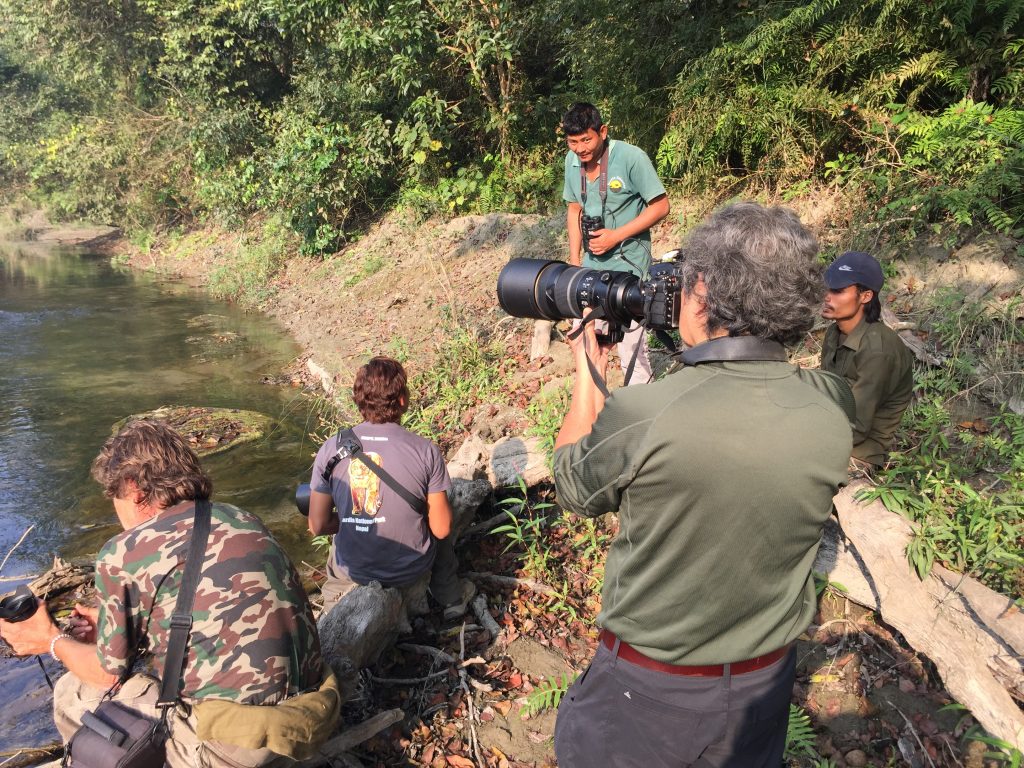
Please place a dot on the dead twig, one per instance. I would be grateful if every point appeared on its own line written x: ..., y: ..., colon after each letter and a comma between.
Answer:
x: 427, y: 650
x: 25, y: 756
x: 27, y: 530
x: 408, y: 680
x: 913, y: 732
x: 483, y: 615
x: 514, y: 581
x: 470, y: 703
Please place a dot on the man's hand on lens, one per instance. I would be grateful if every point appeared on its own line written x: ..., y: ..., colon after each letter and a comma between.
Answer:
x: 603, y: 240
x: 585, y: 345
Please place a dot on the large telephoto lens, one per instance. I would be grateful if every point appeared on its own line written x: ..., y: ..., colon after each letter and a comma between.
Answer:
x: 553, y: 290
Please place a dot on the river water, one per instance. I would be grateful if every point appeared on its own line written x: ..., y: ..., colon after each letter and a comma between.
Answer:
x: 83, y: 344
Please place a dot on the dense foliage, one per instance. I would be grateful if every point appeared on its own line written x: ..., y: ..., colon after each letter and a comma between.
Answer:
x: 153, y: 113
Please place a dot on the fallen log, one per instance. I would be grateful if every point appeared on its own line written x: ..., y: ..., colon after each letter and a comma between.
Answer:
x: 19, y: 758
x: 969, y: 632
x: 62, y: 577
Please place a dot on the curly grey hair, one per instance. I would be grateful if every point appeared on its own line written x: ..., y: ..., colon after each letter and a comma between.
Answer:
x: 760, y: 271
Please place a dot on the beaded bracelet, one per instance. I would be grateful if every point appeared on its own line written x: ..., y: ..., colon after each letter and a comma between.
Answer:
x: 53, y: 642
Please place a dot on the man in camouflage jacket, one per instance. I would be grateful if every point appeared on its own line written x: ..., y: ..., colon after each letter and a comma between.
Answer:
x: 253, y: 640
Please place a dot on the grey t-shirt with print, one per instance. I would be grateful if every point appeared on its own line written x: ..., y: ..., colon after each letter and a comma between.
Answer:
x: 380, y: 537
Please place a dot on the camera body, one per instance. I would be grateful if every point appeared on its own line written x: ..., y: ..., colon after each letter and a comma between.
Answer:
x: 553, y: 290
x: 589, y: 225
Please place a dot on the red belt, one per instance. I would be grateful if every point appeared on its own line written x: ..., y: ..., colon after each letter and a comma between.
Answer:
x: 633, y: 656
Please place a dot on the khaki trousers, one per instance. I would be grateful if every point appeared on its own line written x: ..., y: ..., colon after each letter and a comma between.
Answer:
x: 72, y: 698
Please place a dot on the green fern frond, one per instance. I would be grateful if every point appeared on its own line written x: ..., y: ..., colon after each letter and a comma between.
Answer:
x: 547, y: 695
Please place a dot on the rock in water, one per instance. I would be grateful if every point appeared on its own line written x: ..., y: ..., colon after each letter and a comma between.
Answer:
x: 207, y: 430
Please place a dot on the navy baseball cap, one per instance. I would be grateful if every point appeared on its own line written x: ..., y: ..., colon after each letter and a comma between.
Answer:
x: 855, y: 268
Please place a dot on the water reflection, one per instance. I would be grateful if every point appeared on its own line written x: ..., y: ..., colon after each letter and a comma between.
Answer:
x: 82, y: 345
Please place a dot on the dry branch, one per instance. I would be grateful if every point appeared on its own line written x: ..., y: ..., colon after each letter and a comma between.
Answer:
x: 63, y: 576
x: 513, y: 581
x: 484, y: 617
x: 353, y: 737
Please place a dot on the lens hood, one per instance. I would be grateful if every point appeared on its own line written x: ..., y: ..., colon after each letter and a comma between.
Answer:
x: 19, y: 606
x: 302, y: 499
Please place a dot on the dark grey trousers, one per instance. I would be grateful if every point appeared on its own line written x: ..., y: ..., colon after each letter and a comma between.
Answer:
x: 621, y: 715
x: 444, y: 582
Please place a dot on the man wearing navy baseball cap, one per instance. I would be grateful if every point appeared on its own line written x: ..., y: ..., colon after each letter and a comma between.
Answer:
x: 866, y: 352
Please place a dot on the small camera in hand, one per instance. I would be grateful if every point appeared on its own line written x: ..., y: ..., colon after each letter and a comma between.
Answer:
x: 19, y: 606
x: 589, y: 225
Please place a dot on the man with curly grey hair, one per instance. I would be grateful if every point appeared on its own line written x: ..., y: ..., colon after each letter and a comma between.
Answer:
x: 722, y: 474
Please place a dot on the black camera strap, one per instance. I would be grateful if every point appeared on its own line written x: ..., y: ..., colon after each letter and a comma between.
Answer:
x: 602, y: 180
x: 349, y: 446
x: 602, y: 177
x: 734, y: 349
x: 595, y: 314
x: 632, y: 362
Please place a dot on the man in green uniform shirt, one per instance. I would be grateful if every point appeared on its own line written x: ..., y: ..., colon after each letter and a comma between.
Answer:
x: 722, y: 474
x: 867, y: 353
x: 614, y: 197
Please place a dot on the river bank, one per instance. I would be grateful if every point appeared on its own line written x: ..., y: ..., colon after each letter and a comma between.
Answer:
x: 410, y: 289
x: 85, y: 344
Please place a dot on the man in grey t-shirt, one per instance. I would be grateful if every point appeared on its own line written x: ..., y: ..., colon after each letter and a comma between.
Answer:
x: 378, y: 535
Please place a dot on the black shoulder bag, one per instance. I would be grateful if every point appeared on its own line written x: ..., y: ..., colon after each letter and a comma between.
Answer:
x: 115, y: 736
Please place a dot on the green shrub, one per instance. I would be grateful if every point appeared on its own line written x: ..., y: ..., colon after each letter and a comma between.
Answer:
x: 246, y: 273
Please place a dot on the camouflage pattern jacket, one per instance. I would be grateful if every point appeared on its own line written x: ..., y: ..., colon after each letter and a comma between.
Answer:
x: 253, y: 640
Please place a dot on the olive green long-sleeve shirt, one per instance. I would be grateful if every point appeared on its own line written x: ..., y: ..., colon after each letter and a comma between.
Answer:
x: 722, y: 475
x: 880, y: 370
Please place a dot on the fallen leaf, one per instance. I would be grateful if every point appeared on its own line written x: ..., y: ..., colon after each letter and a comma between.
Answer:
x: 502, y: 707
x: 457, y: 761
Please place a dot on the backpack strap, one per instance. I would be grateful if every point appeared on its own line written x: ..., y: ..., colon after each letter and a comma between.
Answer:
x: 350, y: 447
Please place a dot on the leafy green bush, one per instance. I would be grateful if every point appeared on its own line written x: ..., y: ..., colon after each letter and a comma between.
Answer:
x: 964, y: 165
x: 245, y: 274
x: 916, y: 101
x: 964, y: 489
